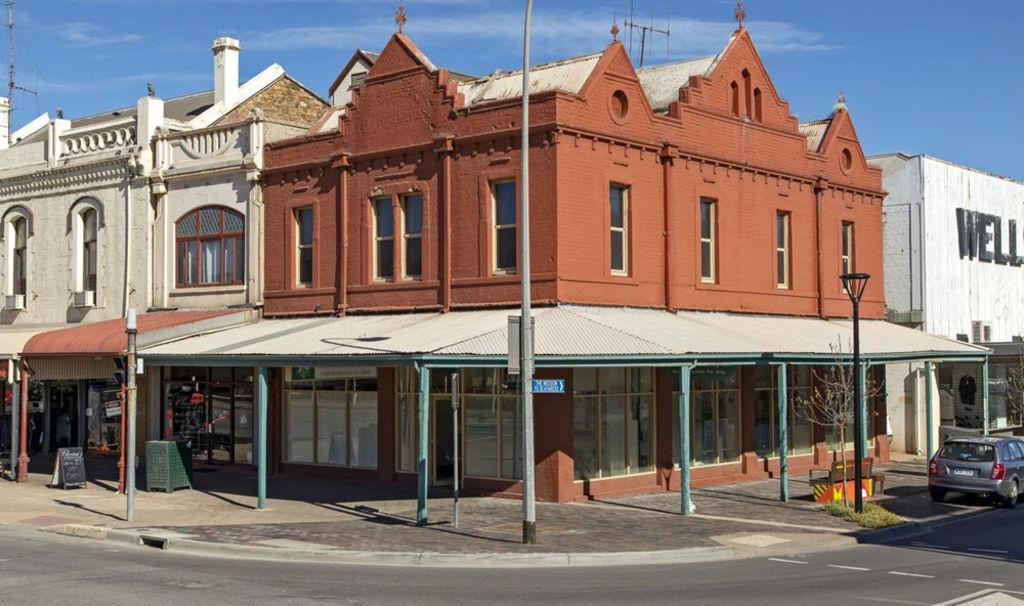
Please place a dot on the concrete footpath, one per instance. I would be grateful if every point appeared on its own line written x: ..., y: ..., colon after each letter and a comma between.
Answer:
x: 319, y: 520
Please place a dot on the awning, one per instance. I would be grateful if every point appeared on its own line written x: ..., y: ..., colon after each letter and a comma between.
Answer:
x: 87, y: 351
x: 13, y: 338
x: 566, y: 334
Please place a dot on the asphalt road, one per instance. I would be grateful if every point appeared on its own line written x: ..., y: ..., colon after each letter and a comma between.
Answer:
x: 981, y: 554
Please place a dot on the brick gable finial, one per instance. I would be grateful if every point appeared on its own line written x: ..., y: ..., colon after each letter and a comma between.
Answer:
x: 615, y: 30
x: 401, y: 16
x: 740, y: 13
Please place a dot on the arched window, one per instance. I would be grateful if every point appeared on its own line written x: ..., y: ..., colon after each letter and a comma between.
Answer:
x: 18, y: 236
x: 746, y: 91
x: 86, y: 239
x: 210, y: 247
x: 734, y: 98
x: 757, y: 105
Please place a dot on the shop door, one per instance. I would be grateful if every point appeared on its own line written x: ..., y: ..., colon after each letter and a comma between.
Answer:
x: 219, y: 427
x: 63, y: 415
x: 443, y: 436
x: 188, y: 420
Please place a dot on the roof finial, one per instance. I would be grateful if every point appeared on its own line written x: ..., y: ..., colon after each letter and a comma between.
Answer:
x: 840, y: 102
x: 400, y: 16
x: 615, y: 30
x: 741, y: 13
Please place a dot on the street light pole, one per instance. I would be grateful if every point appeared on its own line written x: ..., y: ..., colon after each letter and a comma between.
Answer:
x: 526, y: 319
x: 129, y: 410
x: 854, y: 283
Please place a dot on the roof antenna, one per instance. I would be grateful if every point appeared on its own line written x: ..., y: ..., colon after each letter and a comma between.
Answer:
x: 11, y: 85
x: 644, y: 30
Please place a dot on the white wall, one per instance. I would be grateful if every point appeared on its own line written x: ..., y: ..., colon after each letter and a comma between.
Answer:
x: 901, y: 214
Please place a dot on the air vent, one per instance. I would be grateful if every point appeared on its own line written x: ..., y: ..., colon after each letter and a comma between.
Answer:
x: 85, y: 298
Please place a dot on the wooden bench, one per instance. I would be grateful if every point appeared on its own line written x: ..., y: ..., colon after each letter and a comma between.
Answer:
x: 829, y: 482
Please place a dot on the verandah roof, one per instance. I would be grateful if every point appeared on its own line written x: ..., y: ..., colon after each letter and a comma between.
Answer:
x: 566, y: 334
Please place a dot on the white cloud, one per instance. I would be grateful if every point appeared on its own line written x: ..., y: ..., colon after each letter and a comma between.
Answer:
x: 137, y: 80
x: 81, y: 33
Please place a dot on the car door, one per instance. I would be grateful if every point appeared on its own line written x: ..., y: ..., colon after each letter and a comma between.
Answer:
x: 1017, y: 450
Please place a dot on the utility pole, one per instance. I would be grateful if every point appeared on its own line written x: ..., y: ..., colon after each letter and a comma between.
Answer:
x: 526, y: 318
x: 130, y: 400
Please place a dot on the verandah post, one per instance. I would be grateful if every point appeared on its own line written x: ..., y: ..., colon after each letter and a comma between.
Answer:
x: 423, y: 434
x: 684, y: 439
x: 862, y: 380
x: 984, y: 394
x: 261, y: 438
x: 783, y: 425
x: 929, y: 409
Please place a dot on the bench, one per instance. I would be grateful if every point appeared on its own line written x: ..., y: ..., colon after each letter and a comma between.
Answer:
x: 828, y: 485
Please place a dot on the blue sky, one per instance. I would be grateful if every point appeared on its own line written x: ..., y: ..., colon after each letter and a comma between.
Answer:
x: 941, y: 77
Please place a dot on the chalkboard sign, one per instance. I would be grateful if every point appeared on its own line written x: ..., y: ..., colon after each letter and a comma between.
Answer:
x: 68, y: 469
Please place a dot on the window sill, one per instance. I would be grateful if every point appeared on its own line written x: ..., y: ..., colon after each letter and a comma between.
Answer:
x: 625, y: 475
x: 208, y: 290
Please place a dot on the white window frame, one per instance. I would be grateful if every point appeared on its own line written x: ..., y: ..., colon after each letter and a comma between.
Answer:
x: 9, y: 243
x: 406, y: 237
x: 624, y: 230
x: 299, y: 246
x: 782, y: 281
x: 496, y: 228
x: 711, y: 240
x: 79, y: 256
x: 377, y: 239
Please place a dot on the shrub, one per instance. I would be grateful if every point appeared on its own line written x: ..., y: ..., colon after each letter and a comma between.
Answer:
x: 873, y: 516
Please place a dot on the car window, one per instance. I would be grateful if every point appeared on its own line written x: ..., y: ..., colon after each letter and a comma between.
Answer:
x: 1017, y: 449
x: 969, y: 452
x: 1009, y: 452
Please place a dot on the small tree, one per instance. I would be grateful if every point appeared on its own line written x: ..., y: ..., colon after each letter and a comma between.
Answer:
x: 831, y: 404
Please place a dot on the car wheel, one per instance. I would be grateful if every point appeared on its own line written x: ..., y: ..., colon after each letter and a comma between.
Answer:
x: 1013, y: 496
x: 937, y: 494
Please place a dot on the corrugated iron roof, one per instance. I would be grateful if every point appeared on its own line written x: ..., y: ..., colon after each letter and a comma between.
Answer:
x: 566, y: 330
x: 662, y: 82
x: 815, y: 132
x: 108, y: 338
x: 566, y: 75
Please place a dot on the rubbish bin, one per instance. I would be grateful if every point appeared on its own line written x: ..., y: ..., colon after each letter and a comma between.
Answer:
x: 168, y: 465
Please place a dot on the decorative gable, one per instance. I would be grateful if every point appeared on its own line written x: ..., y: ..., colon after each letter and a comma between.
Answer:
x: 399, y: 55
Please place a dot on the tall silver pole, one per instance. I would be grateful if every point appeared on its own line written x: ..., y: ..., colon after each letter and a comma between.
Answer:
x: 526, y: 320
x: 130, y: 400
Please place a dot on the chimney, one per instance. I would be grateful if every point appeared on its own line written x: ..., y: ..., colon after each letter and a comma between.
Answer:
x: 149, y: 117
x: 5, y: 122
x: 225, y: 70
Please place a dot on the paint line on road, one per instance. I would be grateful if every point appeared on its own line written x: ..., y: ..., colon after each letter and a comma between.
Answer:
x: 787, y: 561
x: 911, y: 574
x: 929, y: 545
x: 858, y: 568
x: 989, y: 583
x: 980, y: 550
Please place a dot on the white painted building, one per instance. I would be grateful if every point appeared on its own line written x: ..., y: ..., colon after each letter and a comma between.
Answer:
x: 954, y: 267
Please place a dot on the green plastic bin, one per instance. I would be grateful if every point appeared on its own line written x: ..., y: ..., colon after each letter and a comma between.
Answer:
x: 168, y: 465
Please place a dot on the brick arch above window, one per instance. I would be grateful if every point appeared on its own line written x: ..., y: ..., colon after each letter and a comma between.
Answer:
x: 210, y: 247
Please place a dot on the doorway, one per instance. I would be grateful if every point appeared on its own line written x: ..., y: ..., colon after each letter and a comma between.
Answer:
x: 442, y: 436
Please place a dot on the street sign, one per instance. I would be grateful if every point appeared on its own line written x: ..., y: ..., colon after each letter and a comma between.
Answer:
x: 549, y: 386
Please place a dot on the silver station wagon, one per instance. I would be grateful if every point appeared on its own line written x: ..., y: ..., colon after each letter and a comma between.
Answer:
x: 990, y: 467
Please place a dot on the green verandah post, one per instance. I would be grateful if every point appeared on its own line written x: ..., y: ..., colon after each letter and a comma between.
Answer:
x: 783, y: 424
x: 862, y: 379
x: 984, y: 394
x: 261, y: 444
x: 684, y: 439
x: 423, y: 433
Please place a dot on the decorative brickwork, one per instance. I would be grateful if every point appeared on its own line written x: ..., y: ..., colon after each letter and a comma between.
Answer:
x: 284, y: 100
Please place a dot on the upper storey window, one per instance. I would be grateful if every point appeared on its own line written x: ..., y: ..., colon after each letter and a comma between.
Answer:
x: 17, y: 254
x: 304, y: 229
x: 847, y: 258
x: 782, y: 258
x: 618, y: 197
x: 210, y: 247
x: 708, y: 240
x: 384, y: 239
x: 412, y: 235
x: 503, y: 194
x: 86, y: 232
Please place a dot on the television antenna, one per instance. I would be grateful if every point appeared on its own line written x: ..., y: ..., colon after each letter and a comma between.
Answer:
x: 645, y: 30
x: 12, y: 85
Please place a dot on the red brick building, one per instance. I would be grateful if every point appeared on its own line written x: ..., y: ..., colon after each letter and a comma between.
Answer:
x: 658, y: 195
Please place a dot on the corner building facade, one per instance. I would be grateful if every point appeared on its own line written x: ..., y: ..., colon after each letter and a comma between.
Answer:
x: 680, y: 216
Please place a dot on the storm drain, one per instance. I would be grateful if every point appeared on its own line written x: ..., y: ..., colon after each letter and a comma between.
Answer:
x: 151, y: 541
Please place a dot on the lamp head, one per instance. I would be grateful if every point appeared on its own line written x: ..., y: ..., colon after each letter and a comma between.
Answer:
x: 854, y: 284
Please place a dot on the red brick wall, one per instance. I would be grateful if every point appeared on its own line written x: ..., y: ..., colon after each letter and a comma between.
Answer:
x: 407, y: 124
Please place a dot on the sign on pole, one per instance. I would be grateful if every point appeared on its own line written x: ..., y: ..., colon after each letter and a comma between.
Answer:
x: 549, y: 386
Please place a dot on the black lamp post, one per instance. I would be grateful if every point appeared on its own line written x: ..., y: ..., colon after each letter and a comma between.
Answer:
x: 855, y: 283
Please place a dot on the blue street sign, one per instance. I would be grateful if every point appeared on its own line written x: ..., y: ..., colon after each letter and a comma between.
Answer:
x: 549, y: 386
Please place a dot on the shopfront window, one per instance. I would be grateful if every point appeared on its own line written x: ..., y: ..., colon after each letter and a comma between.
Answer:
x: 212, y: 410
x: 490, y: 421
x: 766, y: 410
x: 613, y: 421
x: 331, y: 416
x: 714, y: 416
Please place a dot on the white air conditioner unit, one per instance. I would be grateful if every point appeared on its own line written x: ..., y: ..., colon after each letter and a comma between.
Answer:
x: 981, y: 331
x: 14, y: 302
x: 85, y: 298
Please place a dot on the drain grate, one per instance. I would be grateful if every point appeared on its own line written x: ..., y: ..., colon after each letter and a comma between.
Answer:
x: 155, y: 542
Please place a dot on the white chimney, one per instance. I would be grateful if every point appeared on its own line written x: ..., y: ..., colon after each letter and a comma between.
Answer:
x: 225, y: 70
x: 5, y: 122
x: 149, y: 117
